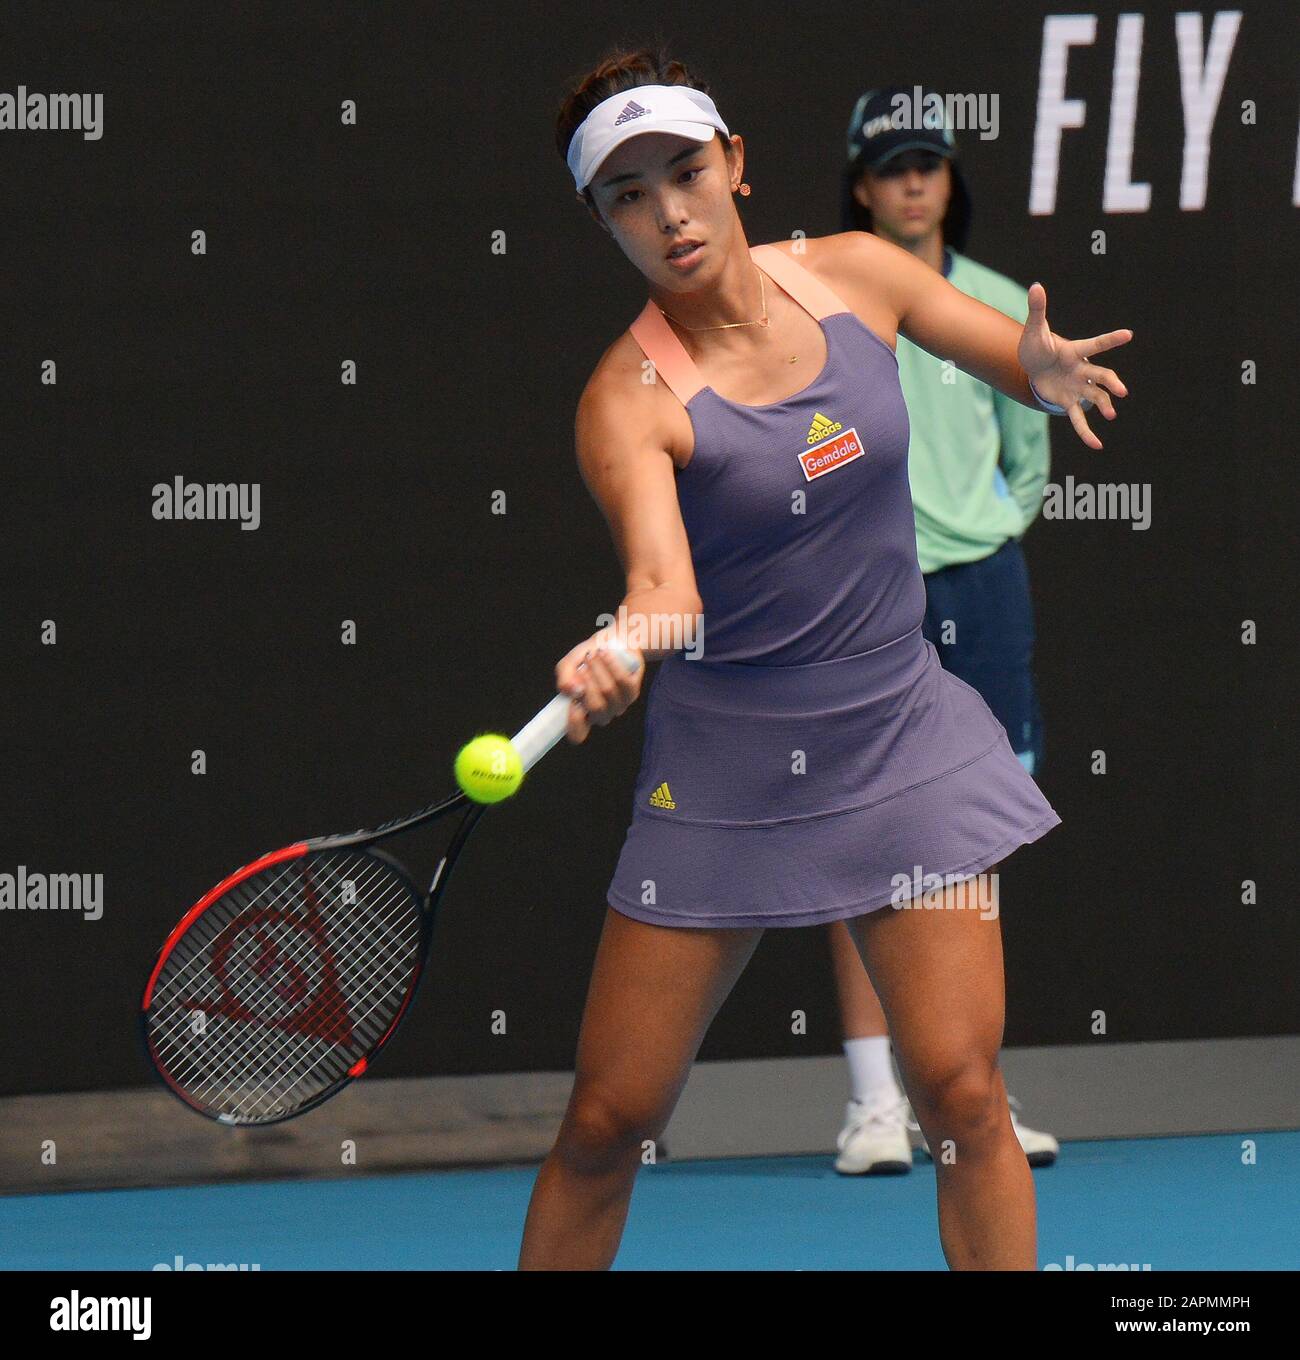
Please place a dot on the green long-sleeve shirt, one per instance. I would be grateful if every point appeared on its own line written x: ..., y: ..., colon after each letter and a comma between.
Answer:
x: 977, y: 460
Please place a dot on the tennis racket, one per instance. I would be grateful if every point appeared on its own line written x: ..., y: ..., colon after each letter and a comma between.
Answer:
x: 278, y: 988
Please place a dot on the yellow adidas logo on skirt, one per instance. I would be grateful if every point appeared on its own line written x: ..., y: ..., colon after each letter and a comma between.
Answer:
x: 661, y: 797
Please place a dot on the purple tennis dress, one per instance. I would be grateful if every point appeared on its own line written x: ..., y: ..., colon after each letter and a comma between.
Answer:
x: 816, y: 756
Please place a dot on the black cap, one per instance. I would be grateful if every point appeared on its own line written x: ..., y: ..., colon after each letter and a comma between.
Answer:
x: 881, y: 126
x: 883, y: 121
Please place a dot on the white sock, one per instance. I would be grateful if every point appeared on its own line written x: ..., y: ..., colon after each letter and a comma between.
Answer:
x: 871, y: 1074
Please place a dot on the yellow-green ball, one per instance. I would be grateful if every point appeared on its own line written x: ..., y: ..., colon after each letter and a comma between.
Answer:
x: 488, y: 768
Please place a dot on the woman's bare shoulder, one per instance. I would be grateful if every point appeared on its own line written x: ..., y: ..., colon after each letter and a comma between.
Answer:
x: 845, y: 249
x: 623, y: 404
x: 870, y: 275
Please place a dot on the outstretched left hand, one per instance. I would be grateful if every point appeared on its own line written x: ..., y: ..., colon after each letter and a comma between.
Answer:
x: 1062, y: 370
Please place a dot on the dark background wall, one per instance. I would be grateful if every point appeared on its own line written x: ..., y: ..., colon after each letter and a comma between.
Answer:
x: 373, y: 243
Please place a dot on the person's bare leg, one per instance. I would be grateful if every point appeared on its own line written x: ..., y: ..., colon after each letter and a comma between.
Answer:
x: 861, y: 1015
x: 654, y: 992
x: 938, y: 973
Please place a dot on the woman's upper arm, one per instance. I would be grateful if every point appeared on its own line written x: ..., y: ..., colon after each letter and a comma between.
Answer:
x: 624, y: 454
x: 943, y: 320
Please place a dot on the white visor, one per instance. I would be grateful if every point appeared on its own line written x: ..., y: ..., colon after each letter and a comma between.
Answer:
x: 677, y: 109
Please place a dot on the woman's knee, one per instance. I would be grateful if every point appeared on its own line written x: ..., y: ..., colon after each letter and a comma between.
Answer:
x: 964, y: 1100
x: 601, y: 1130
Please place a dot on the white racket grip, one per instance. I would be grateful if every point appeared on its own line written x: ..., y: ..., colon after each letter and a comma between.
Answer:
x: 542, y: 731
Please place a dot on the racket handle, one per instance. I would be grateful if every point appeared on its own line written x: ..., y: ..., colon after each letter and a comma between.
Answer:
x: 541, y: 732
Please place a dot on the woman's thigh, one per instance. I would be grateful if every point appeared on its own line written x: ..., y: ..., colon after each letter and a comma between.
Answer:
x: 654, y: 992
x: 938, y: 972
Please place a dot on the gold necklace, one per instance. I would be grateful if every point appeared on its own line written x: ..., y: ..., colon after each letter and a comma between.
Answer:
x: 731, y: 325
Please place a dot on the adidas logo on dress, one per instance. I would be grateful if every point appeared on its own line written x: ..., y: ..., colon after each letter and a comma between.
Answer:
x: 822, y: 427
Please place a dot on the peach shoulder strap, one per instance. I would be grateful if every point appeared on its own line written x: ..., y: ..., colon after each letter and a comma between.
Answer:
x: 661, y: 346
x: 802, y: 285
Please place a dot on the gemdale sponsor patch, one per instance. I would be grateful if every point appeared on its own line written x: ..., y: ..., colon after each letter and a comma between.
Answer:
x: 830, y: 454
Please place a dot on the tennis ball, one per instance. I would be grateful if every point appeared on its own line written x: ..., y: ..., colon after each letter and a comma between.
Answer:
x: 488, y: 768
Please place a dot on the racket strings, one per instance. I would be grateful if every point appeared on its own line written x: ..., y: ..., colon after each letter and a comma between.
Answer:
x: 251, y: 893
x: 289, y: 1047
x: 238, y: 1063
x: 289, y: 1053
x: 284, y: 982
x: 332, y: 1065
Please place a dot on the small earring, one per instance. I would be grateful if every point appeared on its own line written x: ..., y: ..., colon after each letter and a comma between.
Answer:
x: 744, y: 190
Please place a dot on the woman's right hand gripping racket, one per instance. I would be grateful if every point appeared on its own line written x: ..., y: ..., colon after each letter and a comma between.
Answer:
x: 278, y: 987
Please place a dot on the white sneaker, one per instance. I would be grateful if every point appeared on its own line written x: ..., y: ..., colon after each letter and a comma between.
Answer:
x: 874, y: 1141
x: 1040, y: 1148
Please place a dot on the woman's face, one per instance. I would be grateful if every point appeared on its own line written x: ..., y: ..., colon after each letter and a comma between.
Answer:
x: 658, y: 193
x: 908, y: 197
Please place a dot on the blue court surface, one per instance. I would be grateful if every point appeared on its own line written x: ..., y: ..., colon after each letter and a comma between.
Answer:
x: 1172, y: 1203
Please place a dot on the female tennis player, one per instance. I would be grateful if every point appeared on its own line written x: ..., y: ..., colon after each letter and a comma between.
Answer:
x: 747, y: 441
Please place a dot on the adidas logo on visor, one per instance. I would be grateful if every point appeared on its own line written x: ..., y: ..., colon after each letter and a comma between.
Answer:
x: 630, y: 110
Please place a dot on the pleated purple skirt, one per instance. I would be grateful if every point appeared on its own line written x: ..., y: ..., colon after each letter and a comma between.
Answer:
x: 797, y: 795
